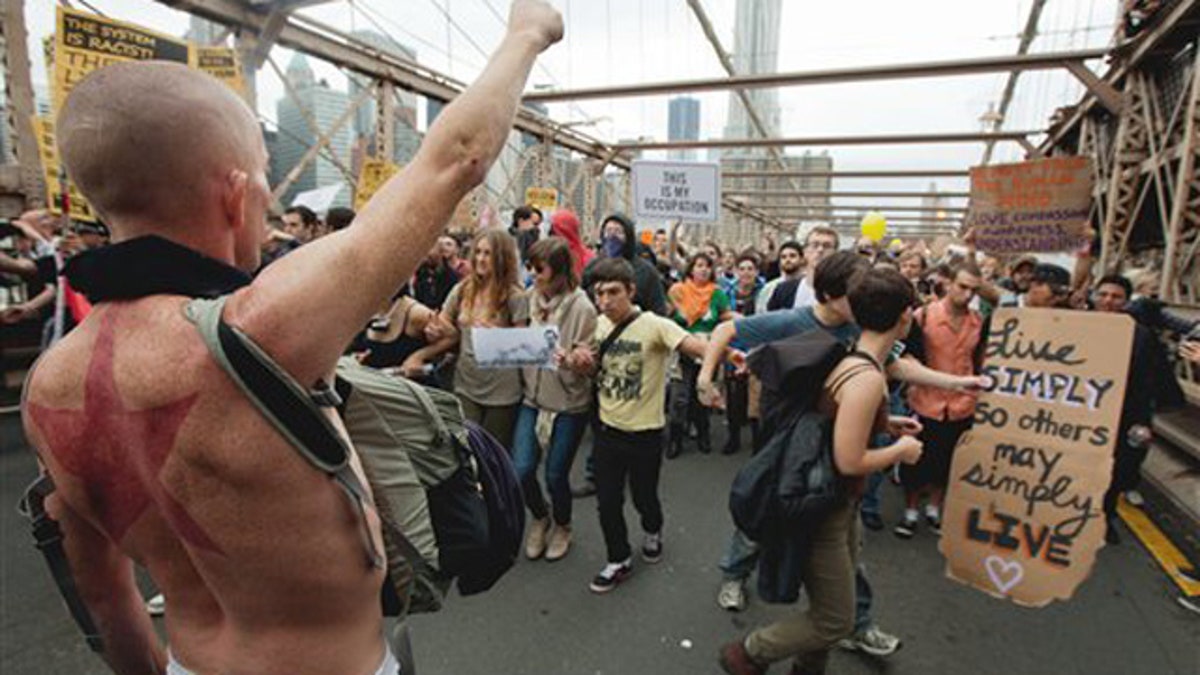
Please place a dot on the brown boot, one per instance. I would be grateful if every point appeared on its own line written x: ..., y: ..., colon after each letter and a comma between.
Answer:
x: 535, y: 540
x: 560, y: 542
x: 735, y: 660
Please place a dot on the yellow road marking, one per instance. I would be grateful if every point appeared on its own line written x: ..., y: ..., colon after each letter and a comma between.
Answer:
x: 1166, y: 553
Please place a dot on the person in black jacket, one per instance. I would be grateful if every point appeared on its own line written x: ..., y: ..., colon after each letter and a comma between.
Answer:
x: 1150, y: 387
x: 619, y: 240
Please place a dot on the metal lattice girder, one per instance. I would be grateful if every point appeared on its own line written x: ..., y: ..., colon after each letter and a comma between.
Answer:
x: 1131, y: 148
x: 385, y: 120
x: 938, y: 173
x: 825, y: 208
x: 823, y: 194
x: 976, y: 66
x: 1180, y: 270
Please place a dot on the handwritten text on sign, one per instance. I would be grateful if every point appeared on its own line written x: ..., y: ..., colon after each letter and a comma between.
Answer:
x: 1024, y: 513
x: 677, y: 190
x: 1042, y: 205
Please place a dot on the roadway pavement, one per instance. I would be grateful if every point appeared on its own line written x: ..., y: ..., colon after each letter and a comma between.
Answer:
x: 541, y: 619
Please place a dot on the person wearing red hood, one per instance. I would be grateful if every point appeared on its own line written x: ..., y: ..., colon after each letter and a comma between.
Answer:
x: 565, y: 224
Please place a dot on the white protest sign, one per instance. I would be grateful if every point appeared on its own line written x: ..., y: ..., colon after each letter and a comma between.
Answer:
x: 318, y: 200
x: 515, y: 347
x: 688, y: 191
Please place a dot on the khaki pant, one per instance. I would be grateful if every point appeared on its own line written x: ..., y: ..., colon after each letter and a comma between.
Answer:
x: 828, y: 576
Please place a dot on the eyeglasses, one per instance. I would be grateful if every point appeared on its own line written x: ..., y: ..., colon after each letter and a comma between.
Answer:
x: 828, y: 246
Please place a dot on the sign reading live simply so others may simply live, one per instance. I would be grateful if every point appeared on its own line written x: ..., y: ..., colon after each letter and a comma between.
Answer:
x: 1024, y: 510
x: 689, y: 191
x: 1039, y: 206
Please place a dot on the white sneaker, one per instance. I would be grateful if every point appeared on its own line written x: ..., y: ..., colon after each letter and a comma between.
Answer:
x: 873, y: 641
x: 732, y: 596
x: 156, y: 606
x: 1134, y: 498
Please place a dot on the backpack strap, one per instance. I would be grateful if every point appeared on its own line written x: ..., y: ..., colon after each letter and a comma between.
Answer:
x: 294, y: 412
x: 49, y: 538
x: 611, y: 338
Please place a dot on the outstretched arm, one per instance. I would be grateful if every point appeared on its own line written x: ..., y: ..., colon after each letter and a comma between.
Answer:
x: 305, y: 308
x: 908, y: 369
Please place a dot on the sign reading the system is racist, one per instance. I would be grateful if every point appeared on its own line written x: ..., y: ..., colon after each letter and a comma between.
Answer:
x: 688, y: 191
x: 1024, y: 513
x: 1041, y: 206
x: 86, y: 42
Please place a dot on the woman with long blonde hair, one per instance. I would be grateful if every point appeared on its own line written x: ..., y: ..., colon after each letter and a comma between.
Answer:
x: 490, y: 297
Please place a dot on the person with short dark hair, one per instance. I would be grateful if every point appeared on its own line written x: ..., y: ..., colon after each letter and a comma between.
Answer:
x: 631, y: 377
x: 339, y: 218
x: 1049, y: 286
x: 526, y: 221
x: 450, y: 246
x: 950, y: 337
x: 790, y: 264
x: 853, y: 395
x: 434, y: 279
x: 820, y: 243
x: 301, y: 223
x: 738, y: 410
x: 1150, y: 387
x: 555, y: 406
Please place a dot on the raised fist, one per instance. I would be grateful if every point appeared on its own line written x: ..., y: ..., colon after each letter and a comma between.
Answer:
x: 537, y: 18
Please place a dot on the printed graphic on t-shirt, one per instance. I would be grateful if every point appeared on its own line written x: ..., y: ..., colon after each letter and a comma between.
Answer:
x: 621, y: 379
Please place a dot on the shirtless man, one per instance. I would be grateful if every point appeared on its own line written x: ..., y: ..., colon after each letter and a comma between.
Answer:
x: 157, y: 457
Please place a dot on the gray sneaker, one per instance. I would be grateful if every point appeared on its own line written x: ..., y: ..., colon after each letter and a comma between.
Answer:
x: 732, y: 596
x: 873, y: 641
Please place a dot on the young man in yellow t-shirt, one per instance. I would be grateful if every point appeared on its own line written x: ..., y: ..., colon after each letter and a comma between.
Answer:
x: 631, y: 377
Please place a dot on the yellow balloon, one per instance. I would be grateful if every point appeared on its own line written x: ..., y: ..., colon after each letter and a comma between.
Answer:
x: 874, y: 226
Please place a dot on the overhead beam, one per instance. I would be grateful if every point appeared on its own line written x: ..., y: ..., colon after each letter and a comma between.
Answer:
x: 1010, y: 86
x: 895, y: 139
x: 325, y: 42
x: 947, y: 173
x: 784, y: 208
x: 899, y: 71
x: 901, y: 195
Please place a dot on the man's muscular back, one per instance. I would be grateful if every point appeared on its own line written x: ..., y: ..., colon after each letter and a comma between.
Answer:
x: 159, y: 454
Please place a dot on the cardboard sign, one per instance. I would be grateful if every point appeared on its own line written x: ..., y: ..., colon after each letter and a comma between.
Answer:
x: 86, y: 42
x: 688, y: 191
x: 222, y: 63
x: 54, y: 178
x: 373, y: 174
x: 1040, y: 206
x: 544, y: 199
x: 1024, y: 508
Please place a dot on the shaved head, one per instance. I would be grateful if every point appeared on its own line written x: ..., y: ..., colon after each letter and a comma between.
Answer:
x: 159, y: 148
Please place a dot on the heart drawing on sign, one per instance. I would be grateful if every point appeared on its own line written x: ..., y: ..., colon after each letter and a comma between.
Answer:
x: 1004, y: 573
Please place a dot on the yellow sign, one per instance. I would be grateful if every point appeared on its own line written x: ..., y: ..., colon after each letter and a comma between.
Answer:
x: 541, y: 198
x: 86, y: 42
x: 43, y: 129
x: 374, y: 173
x: 222, y: 63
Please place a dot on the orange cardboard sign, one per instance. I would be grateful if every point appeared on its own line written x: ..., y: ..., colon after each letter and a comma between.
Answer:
x: 1043, y: 205
x: 1024, y: 508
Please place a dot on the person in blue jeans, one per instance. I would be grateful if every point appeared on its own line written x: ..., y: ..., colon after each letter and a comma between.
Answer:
x: 555, y: 407
x: 831, y: 312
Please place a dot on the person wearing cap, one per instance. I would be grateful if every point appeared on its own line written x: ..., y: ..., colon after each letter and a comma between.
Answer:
x: 1012, y: 290
x: 1049, y: 287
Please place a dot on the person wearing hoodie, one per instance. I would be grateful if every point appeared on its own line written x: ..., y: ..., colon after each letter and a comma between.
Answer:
x: 554, y: 411
x: 619, y: 240
x: 565, y: 224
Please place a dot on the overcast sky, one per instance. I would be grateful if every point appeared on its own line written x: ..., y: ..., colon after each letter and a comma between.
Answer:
x: 626, y: 41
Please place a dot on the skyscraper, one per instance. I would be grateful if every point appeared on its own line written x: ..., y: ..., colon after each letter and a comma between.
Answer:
x: 324, y: 106
x: 755, y: 50
x: 405, y: 138
x: 683, y: 124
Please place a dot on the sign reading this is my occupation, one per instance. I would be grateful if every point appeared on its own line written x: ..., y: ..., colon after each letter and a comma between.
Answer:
x: 688, y: 191
x: 1024, y: 509
x: 1039, y: 206
x: 86, y: 42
